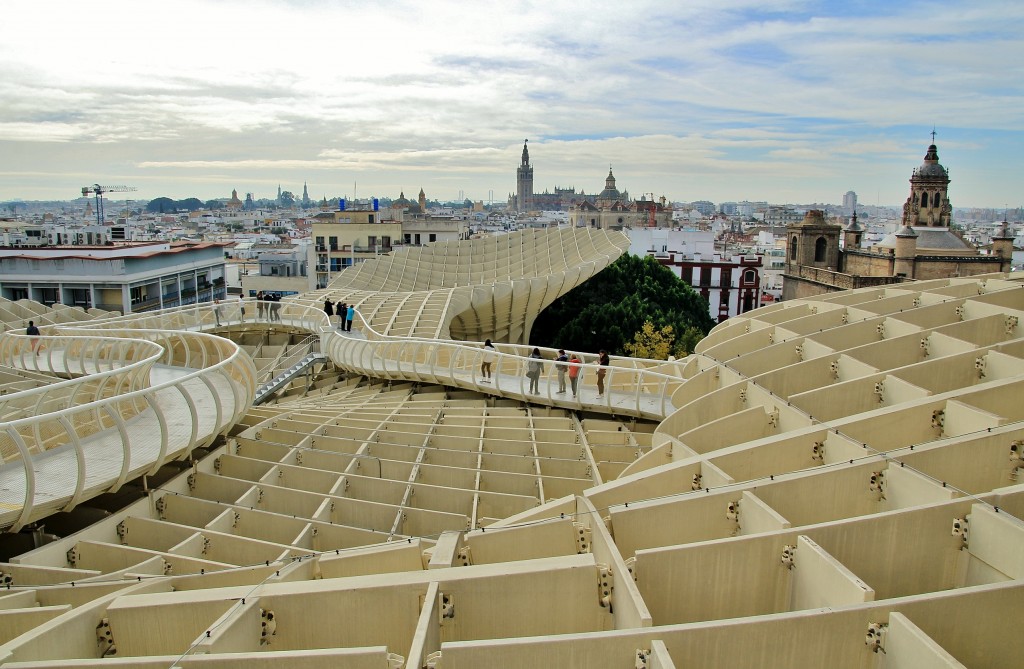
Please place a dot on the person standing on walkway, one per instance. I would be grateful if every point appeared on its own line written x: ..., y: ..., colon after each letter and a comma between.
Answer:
x: 261, y: 306
x: 342, y: 310
x: 217, y: 311
x: 574, y: 373
x: 275, y: 307
x: 533, y: 369
x: 486, y: 360
x: 560, y: 366
x: 241, y: 309
x: 328, y: 309
x: 349, y: 317
x: 602, y: 360
x: 33, y: 331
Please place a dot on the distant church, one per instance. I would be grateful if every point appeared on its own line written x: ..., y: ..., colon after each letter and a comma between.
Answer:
x: 923, y: 248
x: 610, y: 208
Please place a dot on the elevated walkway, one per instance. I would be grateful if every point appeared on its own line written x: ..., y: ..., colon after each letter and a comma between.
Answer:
x: 126, y: 406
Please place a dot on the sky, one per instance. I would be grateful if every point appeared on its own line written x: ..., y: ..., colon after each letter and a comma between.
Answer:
x: 700, y: 100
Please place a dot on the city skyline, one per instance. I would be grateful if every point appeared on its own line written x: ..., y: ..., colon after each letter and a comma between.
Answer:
x: 799, y: 103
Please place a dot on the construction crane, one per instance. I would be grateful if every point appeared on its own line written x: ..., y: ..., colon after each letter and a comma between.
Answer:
x: 98, y: 191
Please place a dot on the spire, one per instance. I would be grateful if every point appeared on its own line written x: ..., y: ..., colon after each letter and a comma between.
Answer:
x: 526, y: 153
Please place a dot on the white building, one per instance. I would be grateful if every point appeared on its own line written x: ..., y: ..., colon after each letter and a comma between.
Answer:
x: 731, y: 285
x: 128, y: 278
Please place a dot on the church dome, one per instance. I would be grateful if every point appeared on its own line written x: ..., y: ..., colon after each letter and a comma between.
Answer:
x: 931, y: 166
x: 402, y: 202
x: 610, y: 192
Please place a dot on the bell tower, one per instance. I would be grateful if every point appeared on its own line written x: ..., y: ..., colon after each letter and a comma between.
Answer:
x: 928, y: 204
x: 524, y: 181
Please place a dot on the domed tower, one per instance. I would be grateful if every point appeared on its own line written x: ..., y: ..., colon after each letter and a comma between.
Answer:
x: 524, y: 181
x: 852, y: 234
x: 610, y: 193
x: 1002, y: 246
x: 928, y: 204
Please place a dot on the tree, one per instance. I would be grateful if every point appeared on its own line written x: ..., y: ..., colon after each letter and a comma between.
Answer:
x: 652, y: 343
x: 161, y: 205
x: 608, y: 310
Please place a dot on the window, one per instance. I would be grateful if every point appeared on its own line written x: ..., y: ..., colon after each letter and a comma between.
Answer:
x: 937, y: 200
x: 320, y: 244
x: 726, y: 279
x: 750, y: 276
x: 820, y: 249
x: 924, y: 199
x: 792, y: 248
x: 386, y: 242
x: 433, y: 237
x: 371, y: 218
x: 334, y: 243
x: 705, y: 277
x: 371, y: 241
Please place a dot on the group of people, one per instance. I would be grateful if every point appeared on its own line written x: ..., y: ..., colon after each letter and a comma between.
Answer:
x: 346, y: 314
x: 567, y: 366
x: 268, y: 306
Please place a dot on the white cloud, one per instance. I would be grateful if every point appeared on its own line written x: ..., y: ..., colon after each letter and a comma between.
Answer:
x: 720, y: 97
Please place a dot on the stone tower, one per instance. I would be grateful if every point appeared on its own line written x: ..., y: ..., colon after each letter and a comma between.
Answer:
x: 928, y: 204
x: 524, y: 181
x: 852, y: 234
x: 812, y: 243
x: 905, y: 252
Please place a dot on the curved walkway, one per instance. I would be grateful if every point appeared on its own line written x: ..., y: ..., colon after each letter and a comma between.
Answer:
x: 127, y: 405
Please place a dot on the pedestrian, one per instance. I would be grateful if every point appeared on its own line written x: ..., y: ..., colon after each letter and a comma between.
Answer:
x: 328, y: 309
x: 260, y: 306
x: 534, y: 368
x: 485, y: 362
x: 349, y: 317
x: 574, y: 372
x: 217, y: 311
x: 275, y: 307
x: 560, y: 366
x: 603, y: 362
x: 33, y: 331
x: 241, y: 309
x: 342, y: 315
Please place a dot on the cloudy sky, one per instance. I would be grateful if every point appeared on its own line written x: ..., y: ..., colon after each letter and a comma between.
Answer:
x: 702, y: 99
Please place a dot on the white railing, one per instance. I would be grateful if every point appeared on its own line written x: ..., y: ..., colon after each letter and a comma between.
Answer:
x: 633, y: 386
x: 109, y: 422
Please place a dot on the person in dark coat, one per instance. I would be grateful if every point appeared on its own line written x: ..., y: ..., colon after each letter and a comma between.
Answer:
x: 328, y: 309
x: 33, y: 331
x: 603, y: 361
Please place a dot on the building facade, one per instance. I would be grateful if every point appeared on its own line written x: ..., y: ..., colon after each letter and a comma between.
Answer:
x: 129, y: 279
x: 351, y: 235
x: 614, y: 210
